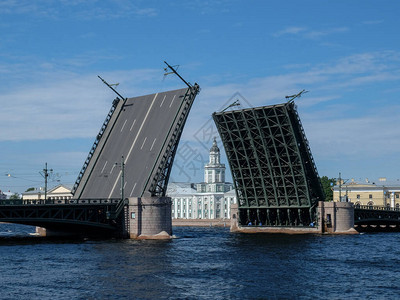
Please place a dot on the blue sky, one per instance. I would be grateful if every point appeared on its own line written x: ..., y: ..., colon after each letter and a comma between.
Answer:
x: 345, y: 53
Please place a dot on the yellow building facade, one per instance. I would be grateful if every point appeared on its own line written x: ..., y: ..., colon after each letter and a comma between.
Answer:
x: 58, y: 193
x: 380, y: 193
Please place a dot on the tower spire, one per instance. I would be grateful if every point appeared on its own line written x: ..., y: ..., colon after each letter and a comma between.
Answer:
x: 214, y: 170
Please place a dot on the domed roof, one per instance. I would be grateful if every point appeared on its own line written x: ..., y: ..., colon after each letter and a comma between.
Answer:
x: 214, y: 147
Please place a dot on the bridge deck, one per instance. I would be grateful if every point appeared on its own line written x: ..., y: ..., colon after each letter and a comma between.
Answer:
x: 140, y: 134
x: 376, y: 215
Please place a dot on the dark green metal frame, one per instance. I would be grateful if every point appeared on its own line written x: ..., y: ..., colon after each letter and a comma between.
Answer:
x: 274, y: 174
x: 99, y: 216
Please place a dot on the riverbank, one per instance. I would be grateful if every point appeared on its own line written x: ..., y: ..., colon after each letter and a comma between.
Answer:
x: 201, y: 222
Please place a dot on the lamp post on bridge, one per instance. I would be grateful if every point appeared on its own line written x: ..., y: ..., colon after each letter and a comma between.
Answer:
x: 122, y: 165
x: 45, y: 174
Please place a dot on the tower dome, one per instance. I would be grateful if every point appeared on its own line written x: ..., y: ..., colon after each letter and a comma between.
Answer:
x: 214, y: 171
x: 214, y: 147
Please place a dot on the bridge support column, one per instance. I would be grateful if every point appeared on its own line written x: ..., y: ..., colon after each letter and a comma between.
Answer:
x: 149, y: 218
x: 336, y: 217
x: 234, y: 217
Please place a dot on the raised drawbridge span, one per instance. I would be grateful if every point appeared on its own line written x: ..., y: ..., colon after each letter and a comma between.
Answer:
x: 272, y: 167
x: 134, y: 152
x: 127, y: 170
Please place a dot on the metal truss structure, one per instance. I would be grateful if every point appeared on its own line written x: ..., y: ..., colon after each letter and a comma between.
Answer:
x: 376, y: 218
x: 100, y: 216
x: 275, y: 177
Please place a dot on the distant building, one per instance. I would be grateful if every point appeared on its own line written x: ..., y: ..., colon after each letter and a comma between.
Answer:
x: 7, y: 195
x: 60, y: 192
x: 372, y: 193
x: 210, y: 199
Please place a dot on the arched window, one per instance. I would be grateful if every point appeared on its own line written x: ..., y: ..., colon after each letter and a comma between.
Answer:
x: 370, y: 203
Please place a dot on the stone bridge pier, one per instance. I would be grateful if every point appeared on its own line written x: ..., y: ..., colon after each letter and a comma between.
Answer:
x: 149, y: 218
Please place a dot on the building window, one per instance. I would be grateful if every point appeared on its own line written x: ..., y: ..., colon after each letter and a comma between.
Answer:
x: 397, y: 196
x: 358, y: 196
x: 370, y: 196
x: 217, y: 176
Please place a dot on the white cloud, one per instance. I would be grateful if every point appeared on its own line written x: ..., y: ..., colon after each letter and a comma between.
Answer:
x: 65, y: 105
x: 373, y: 22
x: 314, y: 34
x: 338, y: 126
x: 291, y: 30
x: 70, y: 105
x: 78, y: 9
x: 308, y: 33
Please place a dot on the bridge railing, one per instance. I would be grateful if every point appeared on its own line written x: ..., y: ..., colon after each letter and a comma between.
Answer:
x: 376, y: 207
x: 59, y: 201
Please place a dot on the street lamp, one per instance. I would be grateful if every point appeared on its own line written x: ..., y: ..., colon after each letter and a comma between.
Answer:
x: 122, y: 165
x: 45, y: 174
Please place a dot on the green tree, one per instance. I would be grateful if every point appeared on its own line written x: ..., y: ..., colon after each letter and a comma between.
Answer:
x: 327, y: 185
x: 15, y: 197
x: 30, y: 189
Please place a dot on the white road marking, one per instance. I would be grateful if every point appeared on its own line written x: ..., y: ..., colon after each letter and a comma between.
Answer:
x: 143, y: 143
x: 123, y: 125
x: 134, y: 121
x: 172, y: 101
x: 151, y: 148
x: 132, y: 190
x: 112, y: 169
x: 134, y: 142
x: 104, y: 167
x: 162, y: 102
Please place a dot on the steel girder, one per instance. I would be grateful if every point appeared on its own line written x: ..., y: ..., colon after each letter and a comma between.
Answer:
x: 376, y: 215
x: 272, y: 167
x: 65, y: 217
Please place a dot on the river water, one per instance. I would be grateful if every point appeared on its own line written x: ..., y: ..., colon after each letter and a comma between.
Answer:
x: 200, y: 263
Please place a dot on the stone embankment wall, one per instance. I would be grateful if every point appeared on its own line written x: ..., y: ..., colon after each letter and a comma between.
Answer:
x: 201, y: 222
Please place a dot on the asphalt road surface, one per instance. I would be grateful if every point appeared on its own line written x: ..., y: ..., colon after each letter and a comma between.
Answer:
x: 138, y: 135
